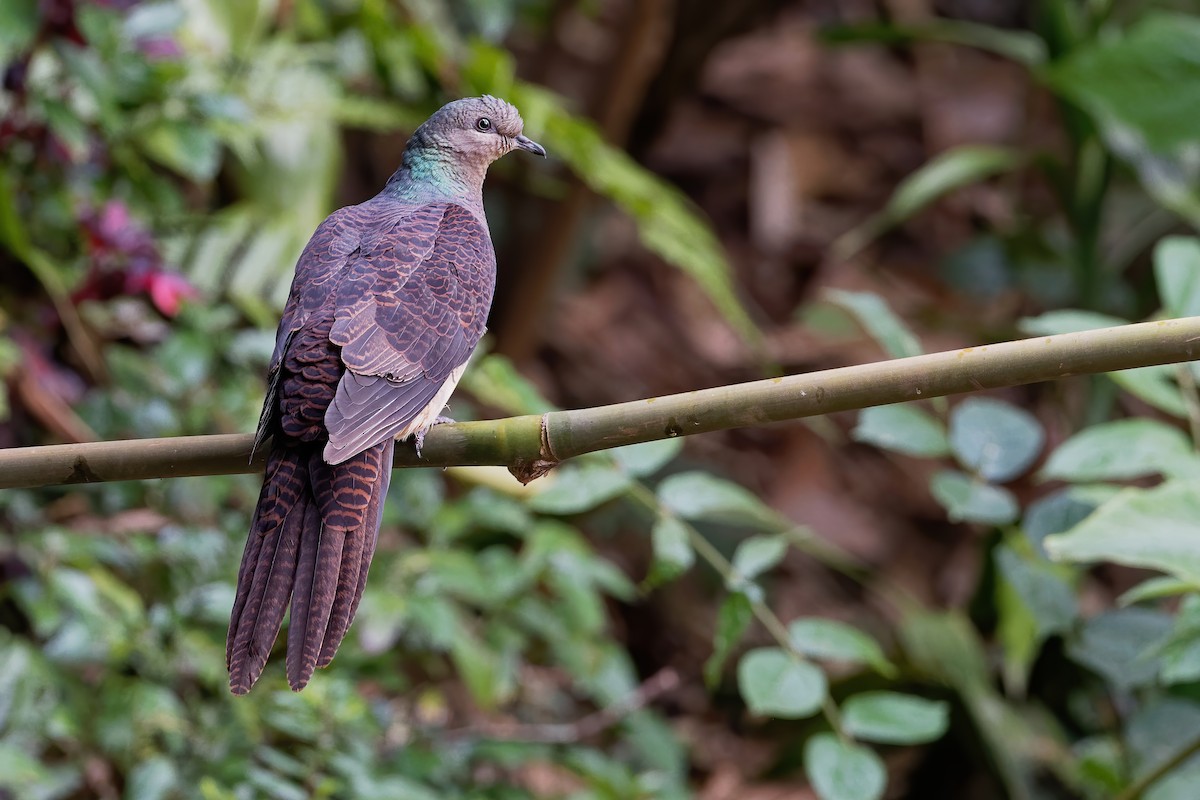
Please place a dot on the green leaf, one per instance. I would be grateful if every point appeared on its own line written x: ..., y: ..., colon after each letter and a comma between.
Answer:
x: 673, y: 553
x: 968, y: 500
x: 18, y: 769
x: 1148, y: 79
x: 994, y: 439
x: 837, y: 641
x: 641, y: 460
x: 700, y: 496
x: 668, y: 224
x: 1101, y: 765
x: 1034, y: 601
x: 1023, y: 47
x: 189, y: 149
x: 1156, y: 589
x: 758, y: 554
x: 1039, y: 586
x: 778, y: 684
x: 946, y: 172
x: 152, y: 779
x: 1055, y: 513
x: 1068, y: 320
x: 733, y: 617
x: 842, y: 770
x: 893, y: 718
x: 878, y: 320
x: 1155, y: 528
x: 1154, y: 385
x: 1177, y: 272
x: 581, y: 488
x: 1160, y: 730
x: 1120, y: 645
x: 1120, y: 450
x: 1181, y: 664
x: 485, y: 677
x: 1180, y: 654
x: 902, y: 428
x: 18, y: 23
x: 495, y: 379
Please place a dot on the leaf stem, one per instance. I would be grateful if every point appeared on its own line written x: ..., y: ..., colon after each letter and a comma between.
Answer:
x: 1139, y: 787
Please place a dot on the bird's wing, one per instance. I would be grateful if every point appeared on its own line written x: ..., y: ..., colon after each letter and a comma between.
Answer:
x: 410, y: 306
x: 334, y: 243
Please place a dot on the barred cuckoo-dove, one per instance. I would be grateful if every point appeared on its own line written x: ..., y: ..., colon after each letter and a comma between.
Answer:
x: 389, y: 299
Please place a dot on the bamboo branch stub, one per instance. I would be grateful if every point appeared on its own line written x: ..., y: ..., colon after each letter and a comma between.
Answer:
x: 529, y: 445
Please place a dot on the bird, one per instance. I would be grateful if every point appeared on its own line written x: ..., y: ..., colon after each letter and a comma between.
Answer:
x: 389, y: 299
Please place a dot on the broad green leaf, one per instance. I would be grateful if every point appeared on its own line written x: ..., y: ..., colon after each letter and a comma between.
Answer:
x: 1120, y: 645
x: 1024, y: 47
x: 1100, y: 766
x: 489, y: 681
x: 188, y: 148
x: 1127, y: 448
x: 1157, y: 732
x: 893, y: 718
x: 1034, y: 601
x: 994, y: 439
x: 668, y: 224
x: 1055, y: 513
x: 1045, y: 592
x: 1147, y: 79
x: 877, y: 319
x: 756, y: 555
x: 778, y: 684
x: 18, y: 769
x: 673, y: 553
x: 153, y: 779
x: 1156, y: 528
x: 1156, y: 589
x: 1177, y: 273
x: 579, y: 489
x: 1181, y: 663
x: 701, y: 496
x: 733, y: 617
x: 837, y: 641
x: 18, y: 23
x: 945, y: 646
x: 969, y: 500
x: 1155, y: 386
x: 495, y: 379
x: 842, y: 770
x: 641, y: 460
x: 902, y: 428
x: 946, y: 172
x: 1068, y: 320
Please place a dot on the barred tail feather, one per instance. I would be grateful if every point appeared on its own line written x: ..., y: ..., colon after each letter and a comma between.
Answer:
x: 348, y: 498
x: 268, y: 567
x: 312, y: 540
x: 356, y: 560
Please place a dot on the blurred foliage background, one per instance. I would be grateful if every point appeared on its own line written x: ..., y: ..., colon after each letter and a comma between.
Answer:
x: 993, y: 597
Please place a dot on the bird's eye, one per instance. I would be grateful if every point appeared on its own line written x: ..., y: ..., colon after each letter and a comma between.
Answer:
x: 484, y: 124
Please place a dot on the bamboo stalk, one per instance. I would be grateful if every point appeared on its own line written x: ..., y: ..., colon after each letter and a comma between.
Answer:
x: 529, y: 445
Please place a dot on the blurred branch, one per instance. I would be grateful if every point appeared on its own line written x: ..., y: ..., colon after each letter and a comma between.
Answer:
x: 531, y: 445
x: 664, y: 681
x: 622, y: 94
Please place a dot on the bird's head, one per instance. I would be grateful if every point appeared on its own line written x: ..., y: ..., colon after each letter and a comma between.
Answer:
x: 477, y: 130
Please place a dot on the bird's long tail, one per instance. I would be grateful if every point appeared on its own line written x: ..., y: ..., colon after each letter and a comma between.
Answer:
x: 312, y: 540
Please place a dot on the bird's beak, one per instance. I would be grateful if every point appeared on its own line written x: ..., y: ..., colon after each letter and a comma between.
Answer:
x: 525, y: 143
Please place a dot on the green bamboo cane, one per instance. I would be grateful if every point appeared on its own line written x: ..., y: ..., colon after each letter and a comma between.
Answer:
x: 530, y: 445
